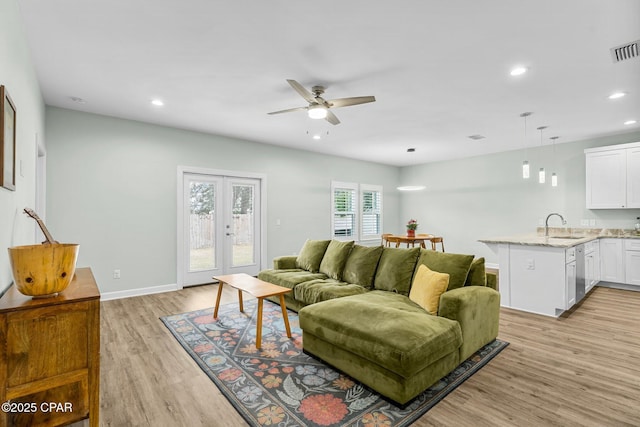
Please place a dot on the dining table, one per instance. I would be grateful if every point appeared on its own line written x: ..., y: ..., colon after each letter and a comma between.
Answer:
x: 410, y: 241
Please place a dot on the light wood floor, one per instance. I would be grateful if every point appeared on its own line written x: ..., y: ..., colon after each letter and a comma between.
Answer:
x: 579, y: 370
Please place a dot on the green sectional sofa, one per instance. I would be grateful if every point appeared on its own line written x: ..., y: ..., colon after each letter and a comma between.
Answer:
x: 362, y: 309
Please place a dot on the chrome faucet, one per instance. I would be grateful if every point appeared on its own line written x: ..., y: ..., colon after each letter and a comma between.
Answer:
x: 546, y: 223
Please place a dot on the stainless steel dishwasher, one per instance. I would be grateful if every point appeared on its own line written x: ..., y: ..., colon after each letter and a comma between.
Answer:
x: 580, y: 273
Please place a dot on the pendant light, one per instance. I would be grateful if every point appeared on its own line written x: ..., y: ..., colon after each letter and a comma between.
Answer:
x: 525, y: 164
x: 542, y: 177
x: 554, y: 177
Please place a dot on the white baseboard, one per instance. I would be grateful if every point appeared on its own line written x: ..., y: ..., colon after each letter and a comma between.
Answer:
x: 138, y: 292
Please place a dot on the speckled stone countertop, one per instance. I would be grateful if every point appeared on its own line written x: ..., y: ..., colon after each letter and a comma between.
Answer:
x: 563, y: 237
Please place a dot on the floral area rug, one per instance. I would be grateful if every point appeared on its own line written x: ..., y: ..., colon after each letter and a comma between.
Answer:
x: 279, y: 385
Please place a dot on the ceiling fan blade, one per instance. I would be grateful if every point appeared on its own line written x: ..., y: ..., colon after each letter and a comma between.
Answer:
x: 302, y: 91
x: 345, y: 102
x: 331, y: 118
x: 290, y: 110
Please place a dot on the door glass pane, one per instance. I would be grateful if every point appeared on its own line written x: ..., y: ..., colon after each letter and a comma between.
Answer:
x: 202, y: 238
x: 243, y: 225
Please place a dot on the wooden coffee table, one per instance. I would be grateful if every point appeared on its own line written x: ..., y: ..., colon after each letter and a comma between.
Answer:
x: 260, y: 290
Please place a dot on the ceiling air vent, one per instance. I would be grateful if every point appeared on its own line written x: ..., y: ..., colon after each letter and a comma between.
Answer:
x: 476, y: 137
x: 626, y: 51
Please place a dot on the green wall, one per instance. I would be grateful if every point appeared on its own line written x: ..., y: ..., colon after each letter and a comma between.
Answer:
x: 112, y: 188
x: 485, y: 196
x: 18, y: 76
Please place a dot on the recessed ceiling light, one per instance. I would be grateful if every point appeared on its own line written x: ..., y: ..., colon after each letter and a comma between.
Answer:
x: 518, y: 71
x: 617, y: 95
x: 630, y: 122
x: 317, y: 136
x: 157, y: 102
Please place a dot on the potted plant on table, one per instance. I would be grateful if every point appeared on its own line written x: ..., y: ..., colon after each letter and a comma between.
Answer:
x: 412, y: 225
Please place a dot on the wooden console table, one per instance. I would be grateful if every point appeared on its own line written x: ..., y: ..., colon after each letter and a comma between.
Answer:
x: 50, y: 367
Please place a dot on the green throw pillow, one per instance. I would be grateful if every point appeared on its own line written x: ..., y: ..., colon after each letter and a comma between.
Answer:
x: 395, y: 270
x: 361, y: 265
x: 335, y: 258
x: 455, y: 265
x: 311, y: 255
x: 477, y: 274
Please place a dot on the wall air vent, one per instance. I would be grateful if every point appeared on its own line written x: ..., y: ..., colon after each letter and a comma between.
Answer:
x: 626, y: 51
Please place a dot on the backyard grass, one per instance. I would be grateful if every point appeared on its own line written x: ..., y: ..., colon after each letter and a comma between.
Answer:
x: 204, y: 259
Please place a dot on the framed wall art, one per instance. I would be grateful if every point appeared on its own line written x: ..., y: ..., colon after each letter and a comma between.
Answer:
x: 7, y: 141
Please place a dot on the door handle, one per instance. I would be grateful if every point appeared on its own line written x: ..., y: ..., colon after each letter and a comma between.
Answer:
x: 231, y: 234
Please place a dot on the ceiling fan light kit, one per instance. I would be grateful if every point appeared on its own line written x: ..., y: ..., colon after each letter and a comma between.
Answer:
x: 318, y: 107
x: 317, y: 112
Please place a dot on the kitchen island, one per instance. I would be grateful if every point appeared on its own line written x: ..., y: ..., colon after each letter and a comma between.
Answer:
x: 549, y: 275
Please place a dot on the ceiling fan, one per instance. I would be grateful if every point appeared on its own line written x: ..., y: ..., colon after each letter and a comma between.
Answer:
x: 318, y: 107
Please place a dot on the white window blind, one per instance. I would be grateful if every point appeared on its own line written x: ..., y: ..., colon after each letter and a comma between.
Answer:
x: 371, y: 212
x: 356, y: 211
x: 344, y: 202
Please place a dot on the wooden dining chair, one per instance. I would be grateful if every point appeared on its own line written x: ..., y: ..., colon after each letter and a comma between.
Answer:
x: 385, y: 241
x: 435, y: 240
x: 425, y: 237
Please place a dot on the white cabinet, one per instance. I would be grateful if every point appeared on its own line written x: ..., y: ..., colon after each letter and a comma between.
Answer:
x: 632, y: 261
x: 613, y: 176
x: 591, y: 264
x: 570, y: 285
x: 612, y: 260
x: 633, y: 177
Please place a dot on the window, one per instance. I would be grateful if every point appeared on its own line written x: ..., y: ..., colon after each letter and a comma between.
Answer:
x: 344, y: 205
x: 356, y: 211
x: 371, y: 212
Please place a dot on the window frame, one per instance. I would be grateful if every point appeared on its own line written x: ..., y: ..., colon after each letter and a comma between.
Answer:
x: 358, y: 193
x: 367, y: 188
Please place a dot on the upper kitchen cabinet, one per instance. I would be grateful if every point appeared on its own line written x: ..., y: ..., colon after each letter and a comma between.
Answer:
x: 613, y: 176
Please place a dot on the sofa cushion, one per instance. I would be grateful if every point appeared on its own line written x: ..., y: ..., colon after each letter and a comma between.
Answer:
x: 427, y: 287
x: 455, y: 265
x: 319, y: 290
x: 361, y: 265
x: 334, y: 259
x: 385, y: 328
x: 311, y: 255
x: 477, y: 275
x: 395, y: 270
x: 288, y: 278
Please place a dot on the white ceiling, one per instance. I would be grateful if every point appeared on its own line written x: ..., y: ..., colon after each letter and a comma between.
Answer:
x: 438, y: 69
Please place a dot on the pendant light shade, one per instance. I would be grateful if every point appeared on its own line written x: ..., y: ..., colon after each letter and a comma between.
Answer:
x: 525, y: 169
x: 554, y: 176
x: 525, y: 164
x: 542, y: 177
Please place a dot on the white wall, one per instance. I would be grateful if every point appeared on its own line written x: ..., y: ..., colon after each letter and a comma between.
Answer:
x: 111, y: 187
x: 18, y: 76
x: 481, y: 197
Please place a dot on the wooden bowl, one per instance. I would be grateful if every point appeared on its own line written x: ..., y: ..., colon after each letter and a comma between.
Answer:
x: 43, y: 270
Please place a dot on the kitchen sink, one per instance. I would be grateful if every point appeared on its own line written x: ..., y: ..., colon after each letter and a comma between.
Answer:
x: 567, y: 237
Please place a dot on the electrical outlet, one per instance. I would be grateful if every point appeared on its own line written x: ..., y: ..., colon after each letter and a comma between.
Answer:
x: 530, y: 263
x: 592, y: 222
x: 541, y: 222
x: 116, y: 274
x: 584, y: 222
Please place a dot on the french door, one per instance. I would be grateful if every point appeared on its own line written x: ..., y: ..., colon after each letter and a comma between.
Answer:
x: 221, y: 227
